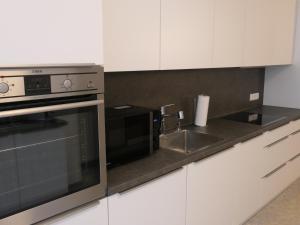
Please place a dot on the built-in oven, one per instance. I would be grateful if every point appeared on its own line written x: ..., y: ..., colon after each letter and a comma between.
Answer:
x: 52, y: 141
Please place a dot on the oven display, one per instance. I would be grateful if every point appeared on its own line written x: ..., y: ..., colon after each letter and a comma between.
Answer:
x: 37, y: 85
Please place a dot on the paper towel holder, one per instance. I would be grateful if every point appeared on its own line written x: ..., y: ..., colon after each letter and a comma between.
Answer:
x: 195, y: 104
x: 201, y: 111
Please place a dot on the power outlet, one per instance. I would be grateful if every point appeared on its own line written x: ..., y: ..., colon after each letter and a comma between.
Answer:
x: 254, y: 97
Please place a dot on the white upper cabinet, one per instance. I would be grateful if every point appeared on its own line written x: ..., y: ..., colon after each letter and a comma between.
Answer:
x: 186, y: 34
x: 50, y: 32
x: 259, y: 33
x: 131, y: 35
x: 269, y: 32
x: 229, y: 31
x: 195, y: 34
x: 284, y: 31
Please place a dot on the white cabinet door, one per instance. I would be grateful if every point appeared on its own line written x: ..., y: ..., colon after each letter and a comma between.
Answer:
x: 159, y: 202
x: 95, y: 213
x: 225, y: 188
x: 269, y: 32
x: 50, y: 32
x: 259, y: 33
x: 248, y: 180
x: 212, y: 187
x: 131, y: 35
x: 284, y: 19
x: 229, y: 31
x: 186, y: 34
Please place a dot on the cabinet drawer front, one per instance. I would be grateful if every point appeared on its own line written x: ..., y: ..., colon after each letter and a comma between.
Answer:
x: 270, y: 138
x: 280, y: 145
x: 275, y: 182
x: 274, y: 135
x: 294, y: 138
x: 294, y: 164
x: 278, y: 152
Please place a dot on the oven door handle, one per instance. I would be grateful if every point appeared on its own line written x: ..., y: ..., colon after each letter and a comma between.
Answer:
x: 51, y: 108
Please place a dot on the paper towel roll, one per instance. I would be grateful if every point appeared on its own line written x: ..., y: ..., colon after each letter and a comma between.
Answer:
x: 202, y: 110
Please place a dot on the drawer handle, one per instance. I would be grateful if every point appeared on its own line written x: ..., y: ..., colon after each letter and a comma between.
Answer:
x: 147, y: 182
x: 295, y: 157
x: 276, y: 142
x: 274, y: 171
x: 296, y: 132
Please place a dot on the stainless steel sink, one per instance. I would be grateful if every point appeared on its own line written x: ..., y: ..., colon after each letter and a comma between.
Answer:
x: 187, y: 141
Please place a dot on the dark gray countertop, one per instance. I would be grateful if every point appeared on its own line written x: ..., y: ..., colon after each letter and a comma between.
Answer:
x: 164, y: 161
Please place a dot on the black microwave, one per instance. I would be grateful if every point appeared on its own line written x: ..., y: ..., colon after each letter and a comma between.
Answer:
x: 131, y: 133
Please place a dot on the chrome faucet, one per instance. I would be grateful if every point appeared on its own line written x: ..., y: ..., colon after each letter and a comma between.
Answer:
x: 179, y: 115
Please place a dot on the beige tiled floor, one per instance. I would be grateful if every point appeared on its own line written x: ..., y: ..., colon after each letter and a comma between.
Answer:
x: 284, y: 210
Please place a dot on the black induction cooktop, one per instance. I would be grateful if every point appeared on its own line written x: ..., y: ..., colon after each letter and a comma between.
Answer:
x: 256, y: 118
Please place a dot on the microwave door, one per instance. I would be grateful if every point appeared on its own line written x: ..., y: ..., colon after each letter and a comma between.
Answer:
x: 138, y: 132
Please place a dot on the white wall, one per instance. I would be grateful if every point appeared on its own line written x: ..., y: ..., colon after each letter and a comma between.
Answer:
x: 50, y: 31
x: 282, y: 84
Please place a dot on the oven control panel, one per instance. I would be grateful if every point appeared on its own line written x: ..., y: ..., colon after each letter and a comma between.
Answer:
x: 11, y: 87
x: 30, y: 83
x: 76, y: 82
x: 37, y: 85
x: 34, y: 85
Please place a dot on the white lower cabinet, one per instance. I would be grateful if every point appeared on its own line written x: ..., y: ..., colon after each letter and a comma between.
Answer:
x: 294, y: 166
x: 211, y: 190
x: 95, y: 213
x: 281, y: 173
x: 275, y: 182
x: 230, y: 187
x: 248, y: 180
x: 294, y: 162
x: 159, y: 202
x: 223, y: 189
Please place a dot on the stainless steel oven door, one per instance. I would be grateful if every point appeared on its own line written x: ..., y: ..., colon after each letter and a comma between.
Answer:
x: 52, y: 157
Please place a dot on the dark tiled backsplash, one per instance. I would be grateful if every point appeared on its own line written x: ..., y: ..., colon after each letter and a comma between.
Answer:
x: 229, y: 89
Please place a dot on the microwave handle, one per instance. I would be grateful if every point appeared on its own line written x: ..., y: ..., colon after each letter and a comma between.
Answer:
x: 52, y: 108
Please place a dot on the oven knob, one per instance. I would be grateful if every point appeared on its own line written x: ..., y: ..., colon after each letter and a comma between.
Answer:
x: 4, y: 88
x: 67, y: 83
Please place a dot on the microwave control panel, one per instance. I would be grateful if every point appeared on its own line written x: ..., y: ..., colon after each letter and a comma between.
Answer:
x: 47, y: 84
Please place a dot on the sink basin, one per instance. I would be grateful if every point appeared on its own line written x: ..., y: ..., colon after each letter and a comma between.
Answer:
x: 187, y: 141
